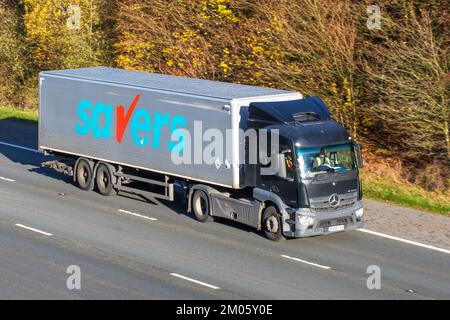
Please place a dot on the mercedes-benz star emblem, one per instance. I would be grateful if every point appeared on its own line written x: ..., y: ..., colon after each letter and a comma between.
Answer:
x: 334, y: 200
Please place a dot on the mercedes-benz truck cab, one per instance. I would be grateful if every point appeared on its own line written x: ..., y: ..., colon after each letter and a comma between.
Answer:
x: 316, y: 185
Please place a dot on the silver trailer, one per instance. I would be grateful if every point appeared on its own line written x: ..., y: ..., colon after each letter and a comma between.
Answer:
x: 111, y: 128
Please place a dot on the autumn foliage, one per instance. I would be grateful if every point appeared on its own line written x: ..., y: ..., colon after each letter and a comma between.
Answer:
x: 389, y: 86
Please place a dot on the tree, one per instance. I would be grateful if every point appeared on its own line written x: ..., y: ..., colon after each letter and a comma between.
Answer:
x: 13, y: 54
x: 407, y: 79
x: 63, y: 33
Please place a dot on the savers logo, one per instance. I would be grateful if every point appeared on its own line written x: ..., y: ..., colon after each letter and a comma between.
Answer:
x: 143, y: 127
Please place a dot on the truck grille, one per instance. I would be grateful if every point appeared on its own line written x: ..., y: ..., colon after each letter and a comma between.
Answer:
x: 322, y: 204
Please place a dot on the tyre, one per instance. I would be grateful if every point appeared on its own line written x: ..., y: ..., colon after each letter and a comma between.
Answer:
x: 85, y: 175
x: 200, y: 205
x: 104, y: 180
x: 271, y: 224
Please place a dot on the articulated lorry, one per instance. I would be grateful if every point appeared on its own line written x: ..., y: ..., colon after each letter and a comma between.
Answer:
x: 155, y: 135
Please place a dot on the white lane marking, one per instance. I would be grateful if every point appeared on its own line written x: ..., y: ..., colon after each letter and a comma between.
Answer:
x: 137, y: 215
x: 18, y: 147
x: 306, y: 262
x: 7, y: 179
x: 195, y: 281
x: 33, y: 229
x: 404, y: 240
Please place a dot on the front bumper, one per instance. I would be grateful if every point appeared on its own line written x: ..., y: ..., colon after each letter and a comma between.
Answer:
x: 322, y: 223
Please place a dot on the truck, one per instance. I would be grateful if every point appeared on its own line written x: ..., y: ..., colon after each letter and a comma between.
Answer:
x: 191, y: 140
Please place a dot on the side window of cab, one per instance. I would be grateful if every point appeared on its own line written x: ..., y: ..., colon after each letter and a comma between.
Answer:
x: 286, y: 165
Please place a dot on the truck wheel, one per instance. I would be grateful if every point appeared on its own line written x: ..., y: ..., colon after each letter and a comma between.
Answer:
x: 85, y: 175
x: 200, y: 205
x: 104, y: 180
x: 272, y: 224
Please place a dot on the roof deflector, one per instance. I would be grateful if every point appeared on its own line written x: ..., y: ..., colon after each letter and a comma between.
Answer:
x: 287, y: 112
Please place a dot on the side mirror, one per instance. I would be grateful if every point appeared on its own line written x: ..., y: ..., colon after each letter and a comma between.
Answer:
x: 358, y: 148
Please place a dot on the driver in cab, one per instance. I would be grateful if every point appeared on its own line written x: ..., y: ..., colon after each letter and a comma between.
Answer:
x: 321, y: 160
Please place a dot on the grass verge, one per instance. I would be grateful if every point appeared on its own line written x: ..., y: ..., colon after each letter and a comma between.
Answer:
x: 403, y: 193
x: 30, y: 116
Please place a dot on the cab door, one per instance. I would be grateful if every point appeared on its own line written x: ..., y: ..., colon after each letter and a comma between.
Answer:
x: 277, y: 173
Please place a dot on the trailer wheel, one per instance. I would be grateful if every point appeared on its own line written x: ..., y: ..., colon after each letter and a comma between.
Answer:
x: 200, y: 205
x: 104, y: 180
x: 272, y: 224
x: 85, y: 175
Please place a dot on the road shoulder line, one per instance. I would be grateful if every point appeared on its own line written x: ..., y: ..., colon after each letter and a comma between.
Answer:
x: 404, y: 240
x: 18, y: 147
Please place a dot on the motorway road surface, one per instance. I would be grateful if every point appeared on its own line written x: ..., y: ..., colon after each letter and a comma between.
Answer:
x: 129, y: 248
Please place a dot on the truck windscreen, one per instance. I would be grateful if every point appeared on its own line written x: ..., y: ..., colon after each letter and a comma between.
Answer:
x: 336, y: 158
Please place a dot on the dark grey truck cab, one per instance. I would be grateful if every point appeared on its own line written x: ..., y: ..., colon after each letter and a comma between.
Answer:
x: 312, y: 186
x: 316, y: 187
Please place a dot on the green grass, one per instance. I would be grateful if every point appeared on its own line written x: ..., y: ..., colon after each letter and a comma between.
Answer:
x: 410, y: 196
x: 16, y: 114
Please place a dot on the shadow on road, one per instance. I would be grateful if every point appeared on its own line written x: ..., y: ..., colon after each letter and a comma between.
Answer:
x: 33, y: 162
x: 19, y: 132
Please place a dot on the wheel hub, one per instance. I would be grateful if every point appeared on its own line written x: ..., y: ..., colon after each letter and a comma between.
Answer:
x: 272, y: 224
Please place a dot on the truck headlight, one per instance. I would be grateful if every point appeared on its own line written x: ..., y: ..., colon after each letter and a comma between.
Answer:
x: 359, y: 213
x: 306, y: 220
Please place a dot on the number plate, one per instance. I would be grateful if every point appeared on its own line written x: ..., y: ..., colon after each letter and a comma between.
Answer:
x: 336, y: 228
